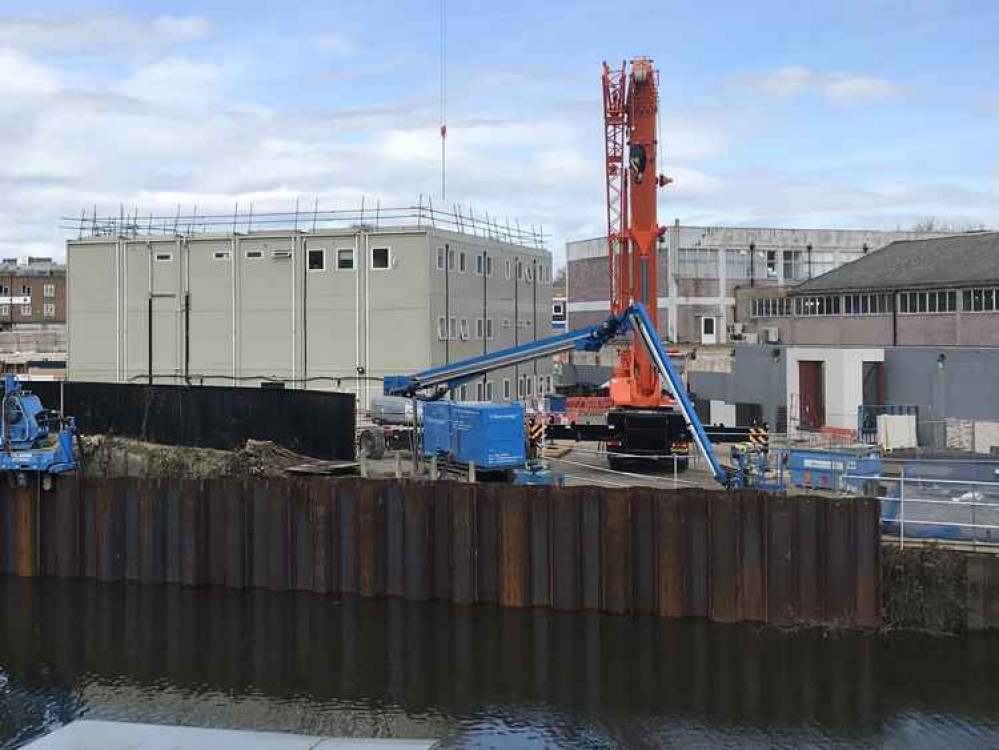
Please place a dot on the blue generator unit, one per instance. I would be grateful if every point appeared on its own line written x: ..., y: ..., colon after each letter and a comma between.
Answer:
x: 490, y: 435
x: 842, y: 471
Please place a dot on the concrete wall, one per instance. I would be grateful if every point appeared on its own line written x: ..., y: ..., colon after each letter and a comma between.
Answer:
x: 843, y: 383
x: 258, y: 309
x: 964, y: 386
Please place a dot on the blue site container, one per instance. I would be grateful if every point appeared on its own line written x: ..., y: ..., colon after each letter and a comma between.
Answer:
x: 491, y: 435
x: 844, y: 471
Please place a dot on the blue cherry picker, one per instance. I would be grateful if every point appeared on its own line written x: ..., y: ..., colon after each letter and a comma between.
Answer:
x: 750, y: 469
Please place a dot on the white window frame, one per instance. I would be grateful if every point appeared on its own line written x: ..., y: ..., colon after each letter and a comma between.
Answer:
x: 451, y: 259
x: 441, y: 258
x: 388, y: 259
x: 308, y: 259
x: 48, y: 310
x: 254, y: 255
x: 462, y: 262
x: 441, y: 328
x: 463, y: 393
x: 452, y: 328
x: 506, y: 389
x: 480, y: 329
x: 25, y: 290
x: 163, y: 257
x: 490, y: 332
x: 25, y: 311
x: 353, y: 259
x: 479, y: 264
x: 463, y: 329
x: 508, y: 269
x: 480, y: 391
x: 5, y: 311
x: 221, y: 255
x: 489, y: 267
x: 489, y: 390
x: 48, y: 291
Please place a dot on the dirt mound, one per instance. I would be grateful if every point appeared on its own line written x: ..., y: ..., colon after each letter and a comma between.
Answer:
x: 109, y: 456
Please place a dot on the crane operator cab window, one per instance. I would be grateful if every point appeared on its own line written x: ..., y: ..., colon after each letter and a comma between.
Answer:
x: 637, y: 159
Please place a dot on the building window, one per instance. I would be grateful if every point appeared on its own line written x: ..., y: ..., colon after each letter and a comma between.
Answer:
x: 520, y: 270
x: 48, y: 290
x: 979, y: 300
x: 825, y: 305
x: 317, y: 260
x: 771, y: 264
x: 489, y: 328
x: 529, y: 270
x: 4, y: 290
x: 463, y: 393
x: 381, y: 258
x: 163, y: 257
x: 697, y: 263
x: 450, y: 259
x: 25, y: 311
x: 220, y: 255
x: 479, y: 329
x: 489, y: 265
x: 441, y: 328
x: 794, y: 267
x: 737, y: 264
x: 462, y: 267
x: 441, y: 255
x: 506, y: 389
x: 452, y: 328
x: 25, y: 290
x: 345, y: 259
x: 506, y: 322
x: 480, y: 391
x: 48, y: 310
x: 5, y: 311
x: 479, y: 270
x: 507, y: 265
x: 530, y: 386
x: 771, y: 307
x: 254, y: 254
x: 463, y: 329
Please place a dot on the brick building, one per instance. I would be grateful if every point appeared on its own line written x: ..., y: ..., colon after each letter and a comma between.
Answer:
x: 932, y: 292
x: 32, y: 294
x: 701, y: 268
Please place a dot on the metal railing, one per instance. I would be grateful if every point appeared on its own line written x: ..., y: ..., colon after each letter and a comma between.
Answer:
x: 367, y: 216
x: 954, y: 511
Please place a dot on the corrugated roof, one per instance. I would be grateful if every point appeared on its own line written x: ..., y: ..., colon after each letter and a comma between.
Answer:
x: 960, y: 260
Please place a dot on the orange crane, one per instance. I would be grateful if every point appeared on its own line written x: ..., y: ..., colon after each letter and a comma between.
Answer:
x: 631, y: 104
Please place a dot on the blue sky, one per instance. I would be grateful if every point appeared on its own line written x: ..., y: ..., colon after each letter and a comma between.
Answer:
x: 851, y: 114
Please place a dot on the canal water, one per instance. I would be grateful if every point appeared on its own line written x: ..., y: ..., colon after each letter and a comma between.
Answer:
x: 477, y: 677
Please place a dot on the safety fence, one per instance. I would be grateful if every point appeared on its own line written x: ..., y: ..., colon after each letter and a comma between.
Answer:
x: 319, y: 424
x: 699, y: 553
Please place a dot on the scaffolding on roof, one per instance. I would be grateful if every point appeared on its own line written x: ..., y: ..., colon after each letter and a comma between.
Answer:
x: 463, y: 220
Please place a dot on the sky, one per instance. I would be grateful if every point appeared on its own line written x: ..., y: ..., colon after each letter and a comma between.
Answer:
x: 859, y: 113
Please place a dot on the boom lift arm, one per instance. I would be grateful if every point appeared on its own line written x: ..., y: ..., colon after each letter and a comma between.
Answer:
x: 439, y: 380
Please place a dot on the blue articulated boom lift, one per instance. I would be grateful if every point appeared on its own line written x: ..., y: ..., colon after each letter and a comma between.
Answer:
x: 35, y: 441
x: 436, y: 382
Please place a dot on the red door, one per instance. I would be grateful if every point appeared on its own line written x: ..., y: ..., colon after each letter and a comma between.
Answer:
x: 811, y: 387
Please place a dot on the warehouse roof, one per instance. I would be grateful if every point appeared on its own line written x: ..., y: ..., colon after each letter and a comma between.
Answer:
x: 970, y: 259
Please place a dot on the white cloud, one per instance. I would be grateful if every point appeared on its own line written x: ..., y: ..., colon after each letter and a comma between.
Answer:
x: 23, y: 79
x: 840, y: 87
x: 101, y: 33
x: 332, y: 43
x: 174, y: 81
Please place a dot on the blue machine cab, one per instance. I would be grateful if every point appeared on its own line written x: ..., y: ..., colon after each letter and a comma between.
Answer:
x: 34, y: 440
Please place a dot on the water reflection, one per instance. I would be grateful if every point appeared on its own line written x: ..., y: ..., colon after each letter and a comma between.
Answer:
x: 478, y: 676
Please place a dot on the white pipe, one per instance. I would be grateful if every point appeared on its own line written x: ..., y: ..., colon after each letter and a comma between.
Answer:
x: 117, y: 310
x: 234, y: 254
x: 357, y: 312
x: 294, y: 308
x: 367, y: 317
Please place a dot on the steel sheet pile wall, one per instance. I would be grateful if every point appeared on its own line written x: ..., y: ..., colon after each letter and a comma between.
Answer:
x: 314, y: 423
x: 725, y: 556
